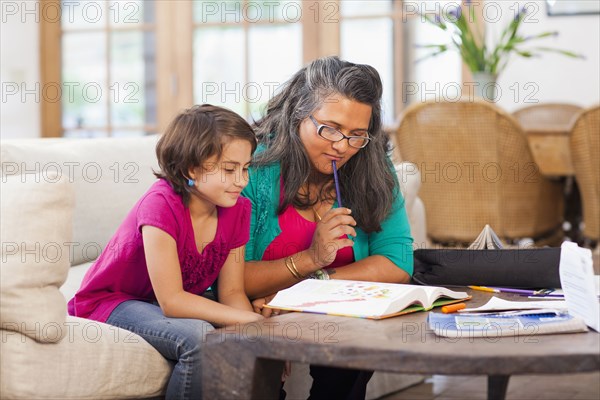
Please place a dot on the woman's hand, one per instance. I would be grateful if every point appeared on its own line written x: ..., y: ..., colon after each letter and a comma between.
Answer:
x: 328, y: 239
x: 257, y: 305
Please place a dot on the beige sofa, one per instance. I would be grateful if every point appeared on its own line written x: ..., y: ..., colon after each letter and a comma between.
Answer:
x: 61, y: 200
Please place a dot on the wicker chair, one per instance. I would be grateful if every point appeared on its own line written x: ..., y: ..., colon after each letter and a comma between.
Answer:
x: 585, y: 150
x: 477, y: 169
x: 550, y: 113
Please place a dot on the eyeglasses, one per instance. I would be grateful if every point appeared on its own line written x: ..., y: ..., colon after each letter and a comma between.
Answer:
x: 334, y: 135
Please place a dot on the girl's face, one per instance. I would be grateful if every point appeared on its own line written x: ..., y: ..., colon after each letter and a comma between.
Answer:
x: 347, y: 116
x: 221, y: 180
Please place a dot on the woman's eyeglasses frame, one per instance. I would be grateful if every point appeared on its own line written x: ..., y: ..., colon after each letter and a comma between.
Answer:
x: 341, y: 136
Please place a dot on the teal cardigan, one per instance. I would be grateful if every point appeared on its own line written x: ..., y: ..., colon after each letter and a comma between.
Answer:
x: 394, y: 241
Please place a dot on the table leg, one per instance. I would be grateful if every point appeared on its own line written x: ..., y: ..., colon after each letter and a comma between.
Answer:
x: 497, y: 385
x: 232, y: 371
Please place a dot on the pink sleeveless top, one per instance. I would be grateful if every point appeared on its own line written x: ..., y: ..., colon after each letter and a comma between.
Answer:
x: 296, y: 235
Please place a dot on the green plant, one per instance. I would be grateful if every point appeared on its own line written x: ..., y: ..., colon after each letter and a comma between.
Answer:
x: 470, y: 42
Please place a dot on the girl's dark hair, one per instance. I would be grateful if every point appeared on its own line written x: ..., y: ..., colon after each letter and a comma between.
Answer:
x: 366, y: 181
x: 193, y: 137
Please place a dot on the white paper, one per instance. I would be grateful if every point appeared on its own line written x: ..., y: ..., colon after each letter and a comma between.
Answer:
x: 558, y: 293
x: 497, y: 304
x: 578, y: 283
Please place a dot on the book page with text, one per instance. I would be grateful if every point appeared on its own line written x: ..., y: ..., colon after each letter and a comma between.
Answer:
x: 577, y: 281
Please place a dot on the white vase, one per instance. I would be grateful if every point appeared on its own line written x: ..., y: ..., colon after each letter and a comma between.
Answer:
x: 485, y: 85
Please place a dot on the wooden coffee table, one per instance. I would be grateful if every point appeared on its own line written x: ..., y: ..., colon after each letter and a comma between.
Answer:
x: 246, y: 361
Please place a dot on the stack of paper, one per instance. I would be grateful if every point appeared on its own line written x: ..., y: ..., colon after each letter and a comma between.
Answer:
x: 510, y: 323
x: 578, y: 311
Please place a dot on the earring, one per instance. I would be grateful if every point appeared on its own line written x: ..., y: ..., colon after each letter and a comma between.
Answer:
x: 191, y: 182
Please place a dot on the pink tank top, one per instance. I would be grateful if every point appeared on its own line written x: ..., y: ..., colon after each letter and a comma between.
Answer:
x: 296, y: 235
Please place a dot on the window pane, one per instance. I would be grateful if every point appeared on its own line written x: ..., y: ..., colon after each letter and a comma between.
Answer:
x: 433, y: 78
x: 130, y: 13
x: 84, y: 80
x: 354, y: 8
x: 219, y: 67
x: 217, y: 11
x: 234, y: 12
x: 275, y: 53
x: 273, y: 11
x: 132, y: 86
x: 85, y: 133
x: 83, y: 14
x: 370, y: 41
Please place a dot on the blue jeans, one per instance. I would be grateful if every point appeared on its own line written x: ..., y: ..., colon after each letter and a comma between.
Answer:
x: 177, y: 339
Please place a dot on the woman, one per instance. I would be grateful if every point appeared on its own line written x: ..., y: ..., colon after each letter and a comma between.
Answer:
x: 328, y: 113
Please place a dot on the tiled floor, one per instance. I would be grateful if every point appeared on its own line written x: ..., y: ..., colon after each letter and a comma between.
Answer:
x: 527, y: 387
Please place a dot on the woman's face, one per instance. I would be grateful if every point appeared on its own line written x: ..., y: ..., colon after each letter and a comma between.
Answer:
x: 349, y: 117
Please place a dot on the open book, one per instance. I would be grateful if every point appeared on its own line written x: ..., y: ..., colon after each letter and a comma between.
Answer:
x: 515, y: 323
x: 487, y: 239
x: 371, y: 300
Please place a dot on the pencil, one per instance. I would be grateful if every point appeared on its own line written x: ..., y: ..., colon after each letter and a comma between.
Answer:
x: 484, y: 289
x: 337, y: 184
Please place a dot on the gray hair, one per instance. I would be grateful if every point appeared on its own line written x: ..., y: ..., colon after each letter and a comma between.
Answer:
x: 366, y: 173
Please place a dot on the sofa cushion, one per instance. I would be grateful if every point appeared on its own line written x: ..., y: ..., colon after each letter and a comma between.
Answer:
x: 93, y: 361
x: 409, y: 178
x: 109, y: 176
x: 410, y: 183
x: 73, y: 282
x: 35, y: 225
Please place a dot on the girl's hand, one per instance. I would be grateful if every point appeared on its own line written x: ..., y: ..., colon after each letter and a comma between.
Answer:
x: 250, y: 317
x: 328, y: 239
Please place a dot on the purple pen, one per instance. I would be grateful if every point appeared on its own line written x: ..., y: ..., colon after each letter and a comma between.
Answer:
x: 511, y: 290
x: 337, y: 183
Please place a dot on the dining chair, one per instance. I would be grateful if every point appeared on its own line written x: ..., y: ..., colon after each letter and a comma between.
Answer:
x: 585, y: 151
x: 477, y: 169
x: 547, y: 113
x: 548, y: 127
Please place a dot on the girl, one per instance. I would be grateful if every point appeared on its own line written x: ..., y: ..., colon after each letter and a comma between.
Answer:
x: 189, y: 229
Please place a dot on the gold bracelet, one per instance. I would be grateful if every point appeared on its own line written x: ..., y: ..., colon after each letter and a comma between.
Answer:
x: 296, y: 269
x: 294, y: 273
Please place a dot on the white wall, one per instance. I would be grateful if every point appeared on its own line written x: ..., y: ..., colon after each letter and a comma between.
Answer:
x: 552, y: 77
x: 19, y: 66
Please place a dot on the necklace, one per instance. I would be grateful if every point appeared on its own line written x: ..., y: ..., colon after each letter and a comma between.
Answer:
x: 316, y: 213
